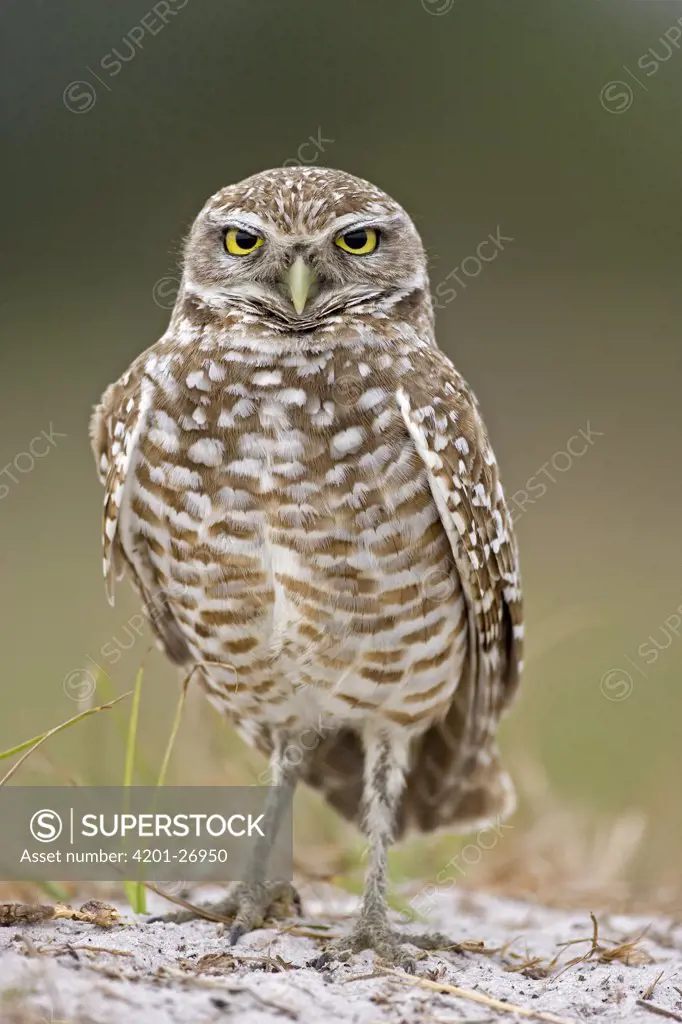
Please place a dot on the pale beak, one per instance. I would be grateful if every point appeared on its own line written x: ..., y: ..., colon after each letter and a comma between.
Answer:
x: 299, y: 278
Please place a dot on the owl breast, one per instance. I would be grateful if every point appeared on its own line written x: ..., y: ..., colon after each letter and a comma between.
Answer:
x: 281, y: 508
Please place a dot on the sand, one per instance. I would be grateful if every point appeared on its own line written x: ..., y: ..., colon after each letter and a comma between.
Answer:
x: 64, y: 971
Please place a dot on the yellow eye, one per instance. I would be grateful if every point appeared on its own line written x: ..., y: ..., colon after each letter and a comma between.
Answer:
x: 359, y: 242
x: 241, y: 243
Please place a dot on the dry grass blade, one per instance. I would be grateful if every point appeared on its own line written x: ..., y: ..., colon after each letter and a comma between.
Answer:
x: 53, y: 732
x: 594, y: 947
x: 195, y: 908
x: 177, y: 719
x: 11, y: 751
x: 648, y: 993
x: 659, y: 1010
x: 532, y: 963
x: 627, y: 952
x: 363, y: 977
x: 221, y: 963
x: 87, y: 949
x: 477, y: 997
x: 310, y: 932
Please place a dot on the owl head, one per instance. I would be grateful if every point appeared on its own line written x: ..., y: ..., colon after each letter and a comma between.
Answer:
x: 296, y: 246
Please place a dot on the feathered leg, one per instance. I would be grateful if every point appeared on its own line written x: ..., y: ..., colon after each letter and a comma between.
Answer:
x: 253, y: 899
x: 386, y: 758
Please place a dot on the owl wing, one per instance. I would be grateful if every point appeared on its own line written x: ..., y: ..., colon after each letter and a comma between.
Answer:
x: 456, y: 774
x: 116, y: 427
x: 444, y: 422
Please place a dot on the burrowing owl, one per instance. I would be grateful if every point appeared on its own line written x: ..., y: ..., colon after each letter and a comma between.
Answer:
x: 302, y: 479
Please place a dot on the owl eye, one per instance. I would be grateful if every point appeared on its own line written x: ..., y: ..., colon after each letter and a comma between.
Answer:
x: 360, y: 241
x: 241, y: 243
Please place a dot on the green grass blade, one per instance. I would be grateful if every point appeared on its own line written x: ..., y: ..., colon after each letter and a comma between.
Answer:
x: 22, y: 746
x: 132, y: 731
x: 28, y: 746
x: 135, y: 891
x: 143, y: 764
x: 55, y: 891
x: 136, y: 894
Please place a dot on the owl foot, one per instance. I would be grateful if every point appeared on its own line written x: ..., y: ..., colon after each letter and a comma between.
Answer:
x: 388, y: 944
x: 246, y: 906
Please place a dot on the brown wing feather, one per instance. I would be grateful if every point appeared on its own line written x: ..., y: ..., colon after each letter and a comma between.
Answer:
x: 456, y: 774
x: 115, y: 428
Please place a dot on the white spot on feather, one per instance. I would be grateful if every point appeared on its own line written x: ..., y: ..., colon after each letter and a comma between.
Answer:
x: 206, y: 452
x: 198, y: 380
x: 347, y: 441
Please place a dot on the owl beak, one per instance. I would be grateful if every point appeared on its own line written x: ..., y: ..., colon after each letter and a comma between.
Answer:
x: 299, y: 278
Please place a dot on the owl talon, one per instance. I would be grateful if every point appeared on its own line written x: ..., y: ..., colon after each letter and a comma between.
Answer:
x: 183, y: 916
x: 428, y: 941
x: 245, y: 907
x: 387, y: 944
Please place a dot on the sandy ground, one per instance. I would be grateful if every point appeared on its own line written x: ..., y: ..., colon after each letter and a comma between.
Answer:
x: 63, y: 971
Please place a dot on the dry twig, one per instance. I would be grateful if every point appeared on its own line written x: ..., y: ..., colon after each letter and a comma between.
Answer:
x: 92, y: 912
x: 476, y: 997
x: 659, y: 1010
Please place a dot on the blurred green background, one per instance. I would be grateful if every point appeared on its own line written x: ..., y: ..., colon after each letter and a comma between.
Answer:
x: 478, y: 116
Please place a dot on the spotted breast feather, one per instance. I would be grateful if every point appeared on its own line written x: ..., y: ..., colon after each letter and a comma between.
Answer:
x: 294, y: 547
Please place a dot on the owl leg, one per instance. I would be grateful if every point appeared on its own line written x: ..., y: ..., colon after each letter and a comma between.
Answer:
x: 253, y: 899
x: 385, y: 766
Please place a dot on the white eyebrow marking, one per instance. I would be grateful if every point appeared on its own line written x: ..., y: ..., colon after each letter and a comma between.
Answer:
x: 238, y: 219
x: 364, y: 219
